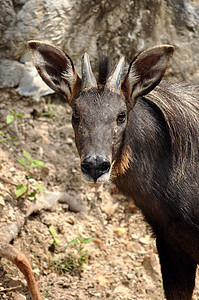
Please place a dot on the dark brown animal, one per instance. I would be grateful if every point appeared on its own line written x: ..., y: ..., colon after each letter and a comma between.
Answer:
x: 144, y: 136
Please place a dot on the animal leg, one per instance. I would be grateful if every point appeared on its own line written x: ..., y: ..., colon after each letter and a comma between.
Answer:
x: 178, y: 271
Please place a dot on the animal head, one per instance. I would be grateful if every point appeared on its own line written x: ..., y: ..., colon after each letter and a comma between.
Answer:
x: 100, y: 106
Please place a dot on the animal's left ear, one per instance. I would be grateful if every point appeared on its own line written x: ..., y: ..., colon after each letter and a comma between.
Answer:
x: 146, y: 71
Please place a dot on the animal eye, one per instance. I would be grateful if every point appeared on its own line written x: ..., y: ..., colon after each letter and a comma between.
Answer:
x: 121, y: 117
x: 76, y: 114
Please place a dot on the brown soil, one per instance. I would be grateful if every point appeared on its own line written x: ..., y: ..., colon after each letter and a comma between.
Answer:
x: 122, y: 259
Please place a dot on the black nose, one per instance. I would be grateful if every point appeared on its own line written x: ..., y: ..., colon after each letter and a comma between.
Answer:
x: 95, y: 166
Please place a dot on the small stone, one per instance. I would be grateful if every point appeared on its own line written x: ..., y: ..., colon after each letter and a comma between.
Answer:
x: 110, y: 208
x: 45, y: 265
x: 65, y: 208
x: 152, y: 265
x: 2, y: 202
x: 44, y: 140
x: 17, y: 296
x: 120, y: 231
x: 145, y: 240
x: 134, y: 236
x: 52, y: 156
x: 134, y: 247
x: 69, y: 141
x: 70, y: 220
x: 102, y: 280
x: 37, y: 272
x: 98, y: 242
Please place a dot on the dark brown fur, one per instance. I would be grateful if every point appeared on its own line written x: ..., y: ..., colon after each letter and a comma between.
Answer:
x: 148, y: 133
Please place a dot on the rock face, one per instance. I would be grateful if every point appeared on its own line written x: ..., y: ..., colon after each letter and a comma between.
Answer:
x: 100, y: 26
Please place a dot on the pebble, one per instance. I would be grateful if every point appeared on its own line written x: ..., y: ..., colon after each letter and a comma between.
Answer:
x: 102, y: 280
x: 17, y: 296
x: 70, y: 220
x: 44, y: 140
x: 98, y: 242
x: 2, y: 202
x: 145, y: 240
x: 69, y: 141
x: 52, y: 156
x: 120, y: 231
x: 45, y: 265
x: 110, y: 208
x: 37, y: 271
x: 65, y: 208
x: 134, y: 236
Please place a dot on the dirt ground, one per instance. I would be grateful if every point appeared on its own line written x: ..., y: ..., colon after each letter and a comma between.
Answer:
x: 122, y: 258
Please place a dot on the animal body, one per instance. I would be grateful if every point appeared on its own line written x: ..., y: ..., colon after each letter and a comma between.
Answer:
x: 143, y: 135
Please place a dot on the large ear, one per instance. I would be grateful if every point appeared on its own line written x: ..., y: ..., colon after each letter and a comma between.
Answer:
x: 146, y: 71
x: 55, y: 68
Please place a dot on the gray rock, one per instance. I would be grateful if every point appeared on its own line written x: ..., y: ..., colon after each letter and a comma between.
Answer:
x: 11, y: 73
x: 31, y: 84
x: 114, y: 27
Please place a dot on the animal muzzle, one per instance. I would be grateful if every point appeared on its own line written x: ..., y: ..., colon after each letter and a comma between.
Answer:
x: 96, y: 169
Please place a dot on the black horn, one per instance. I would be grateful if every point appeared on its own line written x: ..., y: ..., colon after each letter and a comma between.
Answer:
x: 114, y: 81
x: 88, y: 78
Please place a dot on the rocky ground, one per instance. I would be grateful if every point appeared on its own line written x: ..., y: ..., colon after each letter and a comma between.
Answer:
x: 122, y: 261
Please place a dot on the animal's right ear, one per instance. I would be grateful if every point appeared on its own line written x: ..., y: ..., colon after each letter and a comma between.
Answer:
x: 55, y: 68
x: 146, y: 71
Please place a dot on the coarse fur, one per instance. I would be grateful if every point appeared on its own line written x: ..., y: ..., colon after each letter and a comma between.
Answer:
x: 145, y: 138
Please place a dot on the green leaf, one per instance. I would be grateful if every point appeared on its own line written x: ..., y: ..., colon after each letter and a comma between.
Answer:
x: 9, y: 118
x: 27, y: 154
x: 20, y: 190
x: 12, y: 111
x: 80, y: 238
x: 31, y: 194
x: 1, y: 132
x: 23, y: 163
x: 54, y: 235
x: 52, y: 230
x: 55, y: 241
x: 3, y: 140
x: 20, y: 116
x: 39, y: 187
x: 54, y: 258
x: 37, y: 164
x: 74, y: 242
x: 52, y: 241
x: 28, y: 177
x: 87, y: 240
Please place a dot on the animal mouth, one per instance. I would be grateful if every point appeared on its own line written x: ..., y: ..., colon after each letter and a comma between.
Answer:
x: 96, y: 182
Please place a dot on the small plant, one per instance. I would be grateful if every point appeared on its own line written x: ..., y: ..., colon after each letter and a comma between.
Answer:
x: 53, y: 232
x: 12, y: 116
x: 4, y: 137
x: 51, y: 113
x: 75, y: 261
x: 26, y: 189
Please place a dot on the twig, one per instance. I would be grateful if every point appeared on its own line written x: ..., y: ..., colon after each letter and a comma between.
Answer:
x: 10, y: 289
x: 10, y: 231
x: 51, y: 199
x: 21, y: 261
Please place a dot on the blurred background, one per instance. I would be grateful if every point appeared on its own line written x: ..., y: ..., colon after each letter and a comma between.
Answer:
x: 109, y: 27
